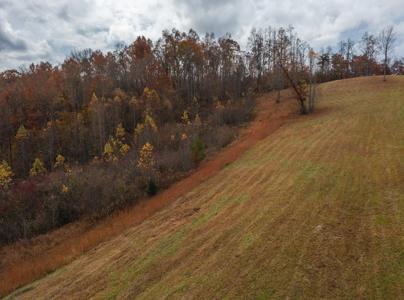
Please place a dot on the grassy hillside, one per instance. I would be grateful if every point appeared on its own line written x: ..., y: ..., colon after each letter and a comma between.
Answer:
x: 315, y: 210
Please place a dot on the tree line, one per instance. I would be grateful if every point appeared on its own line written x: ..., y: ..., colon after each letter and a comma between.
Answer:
x: 371, y: 55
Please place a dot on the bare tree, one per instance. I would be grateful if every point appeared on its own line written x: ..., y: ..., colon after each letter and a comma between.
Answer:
x: 368, y: 45
x: 387, y: 39
x: 256, y: 44
x: 312, y: 79
x: 280, y: 47
x: 350, y: 44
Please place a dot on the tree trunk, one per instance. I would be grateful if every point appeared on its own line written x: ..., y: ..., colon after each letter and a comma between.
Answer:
x: 300, y: 98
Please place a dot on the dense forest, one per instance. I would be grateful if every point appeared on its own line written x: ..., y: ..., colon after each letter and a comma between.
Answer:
x: 102, y: 130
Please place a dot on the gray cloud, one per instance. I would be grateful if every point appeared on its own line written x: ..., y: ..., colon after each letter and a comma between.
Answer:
x: 220, y: 17
x: 9, y: 39
x: 63, y: 13
x: 11, y: 43
x: 35, y: 30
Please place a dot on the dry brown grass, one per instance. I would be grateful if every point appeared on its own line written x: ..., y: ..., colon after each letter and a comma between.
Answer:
x: 23, y: 262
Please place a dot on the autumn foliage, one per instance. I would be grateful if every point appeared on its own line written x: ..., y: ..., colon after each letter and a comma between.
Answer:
x: 102, y: 130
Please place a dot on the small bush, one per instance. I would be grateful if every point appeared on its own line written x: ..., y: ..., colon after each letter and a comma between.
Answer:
x: 222, y: 136
x: 151, y: 188
x: 234, y: 112
x: 198, y: 150
x: 172, y: 161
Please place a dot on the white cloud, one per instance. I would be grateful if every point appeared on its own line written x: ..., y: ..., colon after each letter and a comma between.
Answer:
x: 35, y: 30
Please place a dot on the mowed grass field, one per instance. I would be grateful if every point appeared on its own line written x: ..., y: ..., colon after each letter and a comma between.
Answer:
x: 314, y: 210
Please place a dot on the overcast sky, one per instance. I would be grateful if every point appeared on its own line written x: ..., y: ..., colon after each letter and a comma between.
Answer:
x: 31, y: 31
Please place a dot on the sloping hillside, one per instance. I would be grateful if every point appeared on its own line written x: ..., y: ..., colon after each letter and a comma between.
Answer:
x: 315, y: 210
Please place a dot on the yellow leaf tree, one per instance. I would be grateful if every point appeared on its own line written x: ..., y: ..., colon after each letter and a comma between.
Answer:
x: 22, y: 133
x: 116, y: 146
x: 38, y: 168
x: 120, y: 133
x: 109, y: 153
x: 146, y: 160
x: 147, y: 165
x: 185, y: 118
x: 21, y: 152
x: 149, y: 121
x: 197, y: 121
x: 6, y: 175
x: 60, y: 161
